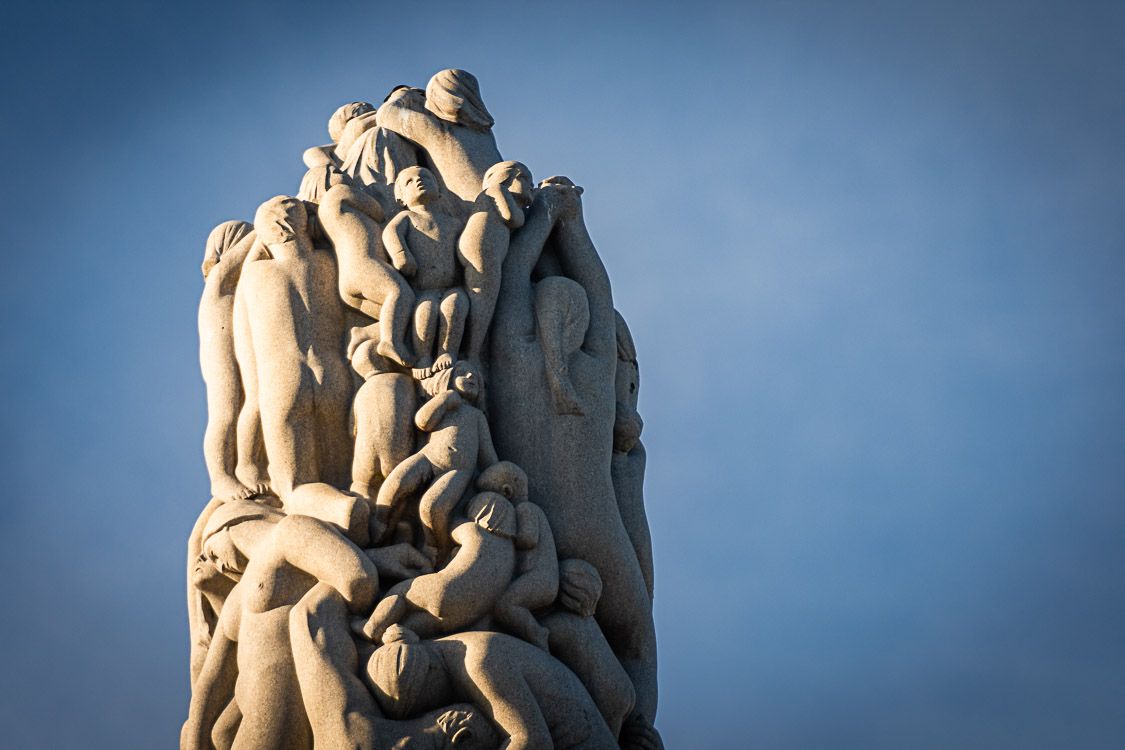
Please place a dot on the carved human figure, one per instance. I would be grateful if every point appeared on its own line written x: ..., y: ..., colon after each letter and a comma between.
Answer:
x: 506, y: 191
x: 383, y: 414
x: 422, y: 241
x: 627, y: 466
x: 458, y: 443
x: 294, y: 338
x: 530, y: 696
x: 580, y: 505
x: 277, y: 560
x: 319, y: 156
x: 467, y: 588
x: 536, y: 581
x: 226, y: 250
x: 448, y: 120
x: 577, y: 641
x: 342, y: 711
x: 367, y: 282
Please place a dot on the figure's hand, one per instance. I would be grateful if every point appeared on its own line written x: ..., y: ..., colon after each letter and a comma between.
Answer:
x: 400, y: 561
x: 580, y: 586
x: 638, y: 734
x: 562, y: 196
x: 406, y: 265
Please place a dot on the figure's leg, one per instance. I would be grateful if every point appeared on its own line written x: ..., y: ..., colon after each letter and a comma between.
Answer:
x: 389, y: 611
x: 424, y: 329
x: 451, y: 327
x: 334, y: 442
x: 394, y: 318
x: 437, y: 505
x: 406, y: 479
x: 562, y: 316
x: 226, y: 727
x: 365, y: 460
x: 512, y: 614
x: 289, y: 428
x: 483, y: 247
x: 220, y: 440
x: 341, y: 710
x: 579, y: 644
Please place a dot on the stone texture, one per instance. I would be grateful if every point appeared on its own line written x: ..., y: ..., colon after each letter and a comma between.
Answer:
x: 444, y: 544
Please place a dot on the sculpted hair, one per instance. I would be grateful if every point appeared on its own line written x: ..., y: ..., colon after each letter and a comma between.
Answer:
x: 342, y: 115
x: 454, y: 96
x: 504, y: 171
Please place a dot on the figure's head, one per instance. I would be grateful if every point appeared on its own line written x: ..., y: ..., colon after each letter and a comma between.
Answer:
x: 454, y: 96
x: 463, y: 727
x: 466, y: 380
x: 281, y: 219
x: 507, y: 479
x: 416, y: 186
x: 405, y: 676
x: 222, y: 238
x: 514, y: 177
x: 218, y: 545
x: 343, y: 115
x: 580, y: 586
x: 493, y: 513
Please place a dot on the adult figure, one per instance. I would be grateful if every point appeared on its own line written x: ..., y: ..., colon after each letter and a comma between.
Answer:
x: 448, y: 120
x: 293, y: 327
x: 227, y: 248
x: 567, y: 455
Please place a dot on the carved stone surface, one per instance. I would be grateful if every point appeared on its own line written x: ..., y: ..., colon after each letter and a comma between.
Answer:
x: 444, y: 544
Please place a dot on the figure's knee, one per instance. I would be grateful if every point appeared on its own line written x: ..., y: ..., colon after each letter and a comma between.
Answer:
x: 455, y: 303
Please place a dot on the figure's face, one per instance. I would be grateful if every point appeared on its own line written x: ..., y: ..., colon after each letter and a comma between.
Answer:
x: 466, y: 382
x: 220, y: 551
x: 522, y: 189
x: 419, y: 187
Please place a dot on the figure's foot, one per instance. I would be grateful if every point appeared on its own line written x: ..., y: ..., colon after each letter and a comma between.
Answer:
x: 638, y: 734
x: 391, y: 352
x: 229, y: 488
x: 443, y: 362
x: 562, y: 392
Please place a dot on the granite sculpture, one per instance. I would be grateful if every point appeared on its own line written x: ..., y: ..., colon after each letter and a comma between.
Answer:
x: 426, y: 526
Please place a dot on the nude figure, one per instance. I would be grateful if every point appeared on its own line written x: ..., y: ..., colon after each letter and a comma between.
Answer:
x: 458, y: 443
x: 227, y: 248
x: 574, y: 487
x: 383, y: 414
x: 342, y: 711
x: 531, y: 697
x: 507, y: 190
x: 367, y: 281
x: 627, y: 466
x: 425, y: 239
x: 536, y: 579
x: 448, y: 120
x: 319, y: 156
x: 277, y: 560
x: 466, y: 589
x: 294, y: 329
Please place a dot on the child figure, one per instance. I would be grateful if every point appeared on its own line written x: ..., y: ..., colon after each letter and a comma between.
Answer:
x: 463, y: 591
x: 459, y: 443
x: 422, y: 243
x: 507, y: 191
x: 537, y: 565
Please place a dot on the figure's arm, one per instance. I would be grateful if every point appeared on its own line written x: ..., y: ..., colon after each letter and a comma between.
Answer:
x: 514, y: 707
x: 433, y: 410
x: 486, y: 451
x: 339, y: 196
x: 229, y: 268
x: 324, y: 553
x: 214, y: 688
x: 527, y: 526
x: 581, y: 262
x: 394, y: 240
x: 506, y: 207
x: 404, y: 113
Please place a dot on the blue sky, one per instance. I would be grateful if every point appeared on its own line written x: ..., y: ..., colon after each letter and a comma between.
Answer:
x: 872, y: 254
